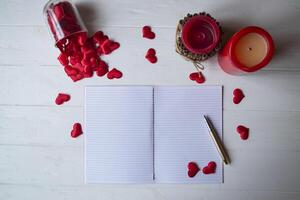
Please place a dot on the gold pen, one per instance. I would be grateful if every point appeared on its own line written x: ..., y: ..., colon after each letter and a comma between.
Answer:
x: 218, y: 143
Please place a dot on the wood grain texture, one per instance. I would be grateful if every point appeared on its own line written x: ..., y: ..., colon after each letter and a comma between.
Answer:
x: 38, y: 158
x: 38, y: 50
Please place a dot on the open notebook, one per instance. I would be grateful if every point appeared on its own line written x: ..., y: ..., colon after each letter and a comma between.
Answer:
x: 144, y: 134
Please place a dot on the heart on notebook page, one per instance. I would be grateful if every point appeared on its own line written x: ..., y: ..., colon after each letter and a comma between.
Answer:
x: 238, y: 96
x: 243, y: 131
x: 210, y: 168
x: 193, y: 169
x: 148, y: 33
x: 198, y: 77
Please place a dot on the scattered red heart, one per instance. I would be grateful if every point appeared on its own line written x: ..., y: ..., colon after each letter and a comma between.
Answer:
x: 198, y: 77
x: 243, y: 131
x: 114, y: 73
x: 108, y: 46
x: 210, y: 168
x: 238, y: 95
x: 148, y: 33
x: 193, y: 169
x: 151, y: 55
x: 61, y: 98
x: 77, y: 130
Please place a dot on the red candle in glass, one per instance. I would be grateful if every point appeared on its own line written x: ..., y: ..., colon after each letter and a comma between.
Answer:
x: 201, y: 34
x: 248, y: 50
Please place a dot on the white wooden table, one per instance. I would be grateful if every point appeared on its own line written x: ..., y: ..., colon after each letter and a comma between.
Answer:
x: 39, y: 159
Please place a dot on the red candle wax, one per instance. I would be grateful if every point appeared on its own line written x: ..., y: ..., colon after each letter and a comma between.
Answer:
x: 201, y: 34
x: 247, y: 51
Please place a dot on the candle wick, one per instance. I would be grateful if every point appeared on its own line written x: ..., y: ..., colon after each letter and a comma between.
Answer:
x: 250, y: 49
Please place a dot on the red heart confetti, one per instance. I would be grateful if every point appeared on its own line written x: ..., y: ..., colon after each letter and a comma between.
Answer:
x: 61, y: 98
x: 98, y: 37
x: 77, y: 130
x: 148, y: 33
x: 102, y: 40
x: 102, y: 68
x: 114, y: 73
x: 94, y: 64
x: 114, y: 45
x: 198, y: 77
x: 88, y: 71
x: 77, y: 77
x: 210, y: 168
x: 151, y: 55
x: 243, y: 131
x: 193, y: 169
x: 109, y: 46
x: 81, y: 39
x: 63, y: 59
x: 238, y: 96
x: 105, y: 47
x: 80, y: 55
x: 70, y: 71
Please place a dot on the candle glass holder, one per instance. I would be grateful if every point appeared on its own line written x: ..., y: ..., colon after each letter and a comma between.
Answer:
x: 63, y: 20
x: 198, y: 37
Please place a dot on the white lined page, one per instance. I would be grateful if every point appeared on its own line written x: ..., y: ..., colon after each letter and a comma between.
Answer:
x: 180, y: 134
x: 118, y: 134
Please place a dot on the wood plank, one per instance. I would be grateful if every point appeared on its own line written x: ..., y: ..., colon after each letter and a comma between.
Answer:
x: 39, y: 126
x: 18, y: 47
x: 41, y: 152
x: 159, y: 13
x: 50, y: 126
x: 49, y: 166
x: 150, y: 192
x: 268, y: 131
x: 271, y: 91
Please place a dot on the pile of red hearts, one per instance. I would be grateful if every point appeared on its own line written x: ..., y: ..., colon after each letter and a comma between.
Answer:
x: 80, y: 54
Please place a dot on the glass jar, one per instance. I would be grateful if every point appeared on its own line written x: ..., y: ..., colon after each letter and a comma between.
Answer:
x: 63, y: 20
